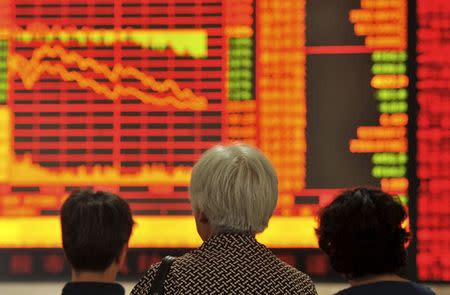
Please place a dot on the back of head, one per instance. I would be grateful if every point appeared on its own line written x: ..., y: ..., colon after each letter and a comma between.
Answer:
x: 236, y: 187
x: 362, y: 233
x: 96, y: 226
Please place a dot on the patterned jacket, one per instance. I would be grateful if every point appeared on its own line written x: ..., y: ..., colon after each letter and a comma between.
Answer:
x: 229, y: 264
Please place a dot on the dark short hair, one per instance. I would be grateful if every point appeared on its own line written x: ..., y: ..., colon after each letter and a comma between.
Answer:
x: 361, y: 231
x: 95, y: 228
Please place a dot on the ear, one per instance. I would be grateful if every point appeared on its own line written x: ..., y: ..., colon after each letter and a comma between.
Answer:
x: 122, y: 255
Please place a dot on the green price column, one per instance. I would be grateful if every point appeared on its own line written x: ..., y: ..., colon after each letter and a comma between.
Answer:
x: 3, y: 71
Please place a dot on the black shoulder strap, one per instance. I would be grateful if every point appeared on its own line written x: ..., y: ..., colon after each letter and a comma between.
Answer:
x: 157, y: 287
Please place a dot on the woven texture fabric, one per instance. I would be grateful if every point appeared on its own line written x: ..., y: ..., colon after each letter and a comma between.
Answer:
x: 229, y: 264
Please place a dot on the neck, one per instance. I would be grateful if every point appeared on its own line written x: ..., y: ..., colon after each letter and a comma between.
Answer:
x: 376, y: 278
x: 100, y: 277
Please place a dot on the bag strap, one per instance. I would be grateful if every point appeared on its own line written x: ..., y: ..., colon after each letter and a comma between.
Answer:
x: 157, y: 287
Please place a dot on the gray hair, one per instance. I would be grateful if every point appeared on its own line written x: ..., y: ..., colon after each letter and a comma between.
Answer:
x: 235, y: 187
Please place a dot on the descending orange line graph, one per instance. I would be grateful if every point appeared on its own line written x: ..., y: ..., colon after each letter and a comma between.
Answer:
x: 30, y: 70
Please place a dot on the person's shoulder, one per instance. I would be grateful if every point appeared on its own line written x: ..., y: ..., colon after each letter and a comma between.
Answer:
x: 408, y: 287
x: 144, y: 284
x: 388, y: 287
x: 304, y: 284
x: 300, y: 282
x: 291, y: 271
x: 421, y: 289
x: 92, y: 288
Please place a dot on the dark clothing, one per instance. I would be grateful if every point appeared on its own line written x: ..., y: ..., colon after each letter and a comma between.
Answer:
x: 388, y: 288
x: 92, y: 288
x: 230, y: 264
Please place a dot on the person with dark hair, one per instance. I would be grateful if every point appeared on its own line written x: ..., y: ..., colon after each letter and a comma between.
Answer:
x: 96, y: 228
x: 362, y: 232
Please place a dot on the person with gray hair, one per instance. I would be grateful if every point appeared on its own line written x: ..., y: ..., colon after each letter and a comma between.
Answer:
x: 233, y: 191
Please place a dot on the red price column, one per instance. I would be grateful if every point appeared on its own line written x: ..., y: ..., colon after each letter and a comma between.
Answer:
x: 433, y: 140
x: 281, y: 92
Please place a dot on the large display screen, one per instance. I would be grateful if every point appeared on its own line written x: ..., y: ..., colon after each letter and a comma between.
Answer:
x: 125, y: 95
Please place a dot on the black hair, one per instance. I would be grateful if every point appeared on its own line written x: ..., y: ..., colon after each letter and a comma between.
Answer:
x: 95, y: 228
x: 361, y: 231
